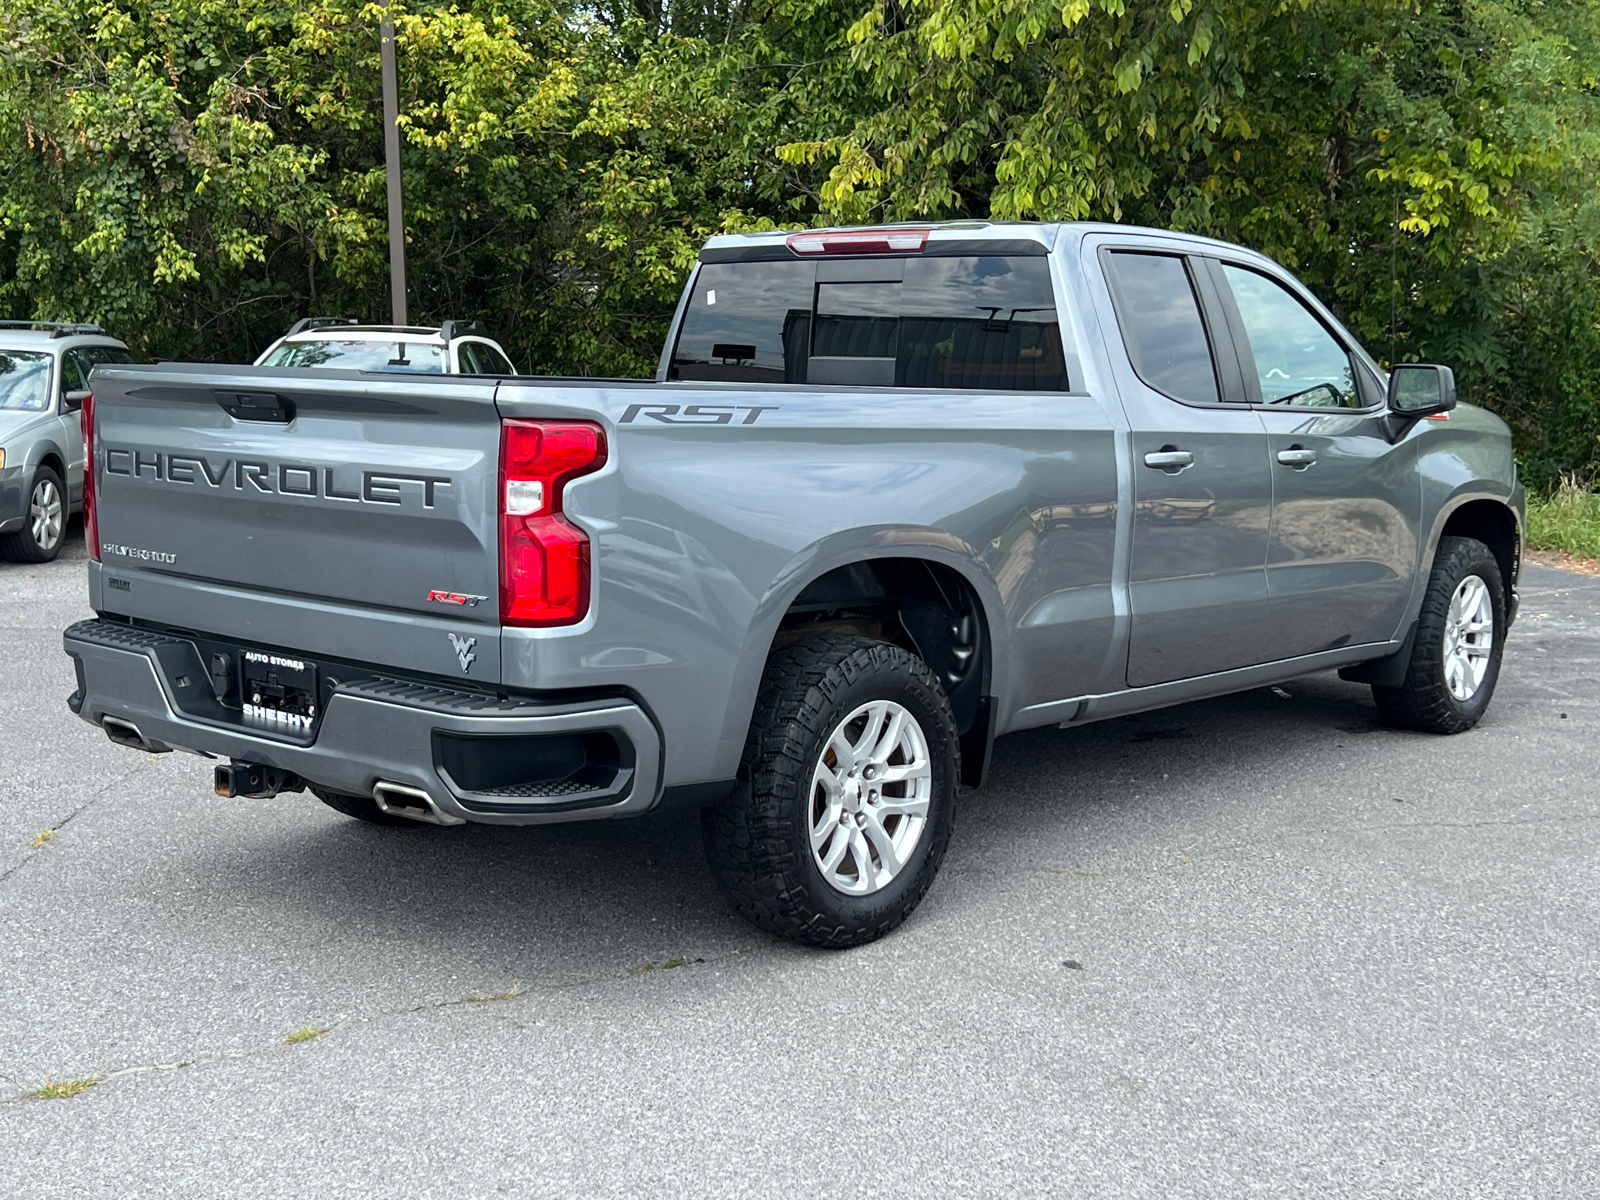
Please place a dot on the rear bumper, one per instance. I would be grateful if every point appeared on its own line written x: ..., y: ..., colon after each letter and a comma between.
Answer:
x: 445, y: 741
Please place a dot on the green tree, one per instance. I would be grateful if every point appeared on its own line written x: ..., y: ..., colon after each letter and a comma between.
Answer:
x: 197, y: 174
x: 1427, y: 167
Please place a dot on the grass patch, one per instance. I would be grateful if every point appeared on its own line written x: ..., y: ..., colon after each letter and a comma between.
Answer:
x: 511, y: 993
x: 40, y: 838
x: 308, y: 1034
x: 64, y: 1089
x: 1568, y: 520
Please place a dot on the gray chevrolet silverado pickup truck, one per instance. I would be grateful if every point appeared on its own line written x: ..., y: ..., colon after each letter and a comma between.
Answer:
x: 893, y: 492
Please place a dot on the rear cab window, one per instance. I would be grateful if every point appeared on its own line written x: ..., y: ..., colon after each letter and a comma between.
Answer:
x: 747, y: 322
x: 971, y: 322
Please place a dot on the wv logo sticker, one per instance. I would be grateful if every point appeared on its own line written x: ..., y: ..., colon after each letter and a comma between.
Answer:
x: 464, y: 651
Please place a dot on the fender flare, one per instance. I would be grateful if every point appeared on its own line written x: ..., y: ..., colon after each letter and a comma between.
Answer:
x: 827, y: 554
x: 1466, y: 493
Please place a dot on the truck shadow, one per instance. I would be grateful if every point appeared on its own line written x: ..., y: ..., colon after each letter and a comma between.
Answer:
x: 541, y: 900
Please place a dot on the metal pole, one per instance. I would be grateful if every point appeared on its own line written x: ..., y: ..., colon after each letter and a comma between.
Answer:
x: 391, y: 163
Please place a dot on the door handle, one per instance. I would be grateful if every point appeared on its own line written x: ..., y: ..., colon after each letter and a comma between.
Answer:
x: 1169, y: 459
x: 1297, y: 457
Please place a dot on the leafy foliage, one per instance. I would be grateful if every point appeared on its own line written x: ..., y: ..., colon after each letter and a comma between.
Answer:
x: 197, y: 173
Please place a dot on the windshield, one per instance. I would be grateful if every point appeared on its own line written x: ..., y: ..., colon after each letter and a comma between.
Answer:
x: 416, y: 357
x: 24, y: 380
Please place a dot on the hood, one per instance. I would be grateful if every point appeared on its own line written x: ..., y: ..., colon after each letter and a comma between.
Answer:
x: 14, y: 420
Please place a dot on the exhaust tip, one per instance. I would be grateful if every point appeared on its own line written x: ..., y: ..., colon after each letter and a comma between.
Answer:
x: 126, y: 733
x: 403, y: 800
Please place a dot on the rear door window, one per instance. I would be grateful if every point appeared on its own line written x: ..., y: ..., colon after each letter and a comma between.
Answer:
x: 1161, y: 325
x: 747, y: 323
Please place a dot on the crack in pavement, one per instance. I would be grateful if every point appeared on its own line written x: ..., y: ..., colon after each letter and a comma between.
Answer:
x: 473, y: 1001
x: 73, y: 815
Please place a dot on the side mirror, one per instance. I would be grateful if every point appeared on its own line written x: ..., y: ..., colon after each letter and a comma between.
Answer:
x: 1420, y: 390
x: 74, y: 400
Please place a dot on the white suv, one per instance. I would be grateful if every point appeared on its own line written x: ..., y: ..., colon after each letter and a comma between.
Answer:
x: 454, y: 348
x: 44, y: 377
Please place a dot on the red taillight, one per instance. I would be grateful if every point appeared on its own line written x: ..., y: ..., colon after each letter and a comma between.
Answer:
x: 860, y: 241
x: 91, y: 518
x: 544, y: 558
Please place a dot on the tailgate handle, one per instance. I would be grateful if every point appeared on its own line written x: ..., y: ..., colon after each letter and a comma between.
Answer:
x: 257, y: 406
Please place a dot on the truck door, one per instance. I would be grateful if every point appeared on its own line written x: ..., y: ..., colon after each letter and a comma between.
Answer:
x: 1202, y: 489
x: 1346, y: 500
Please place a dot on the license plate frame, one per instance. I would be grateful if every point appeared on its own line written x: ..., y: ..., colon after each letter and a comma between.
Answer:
x: 279, y: 692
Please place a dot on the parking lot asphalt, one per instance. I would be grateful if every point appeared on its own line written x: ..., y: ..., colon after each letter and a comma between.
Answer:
x: 1254, y: 946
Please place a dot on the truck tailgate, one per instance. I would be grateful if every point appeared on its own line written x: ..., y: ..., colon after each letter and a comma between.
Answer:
x: 328, y: 512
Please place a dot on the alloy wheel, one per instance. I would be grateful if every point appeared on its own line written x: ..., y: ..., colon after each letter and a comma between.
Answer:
x: 869, y: 797
x: 1468, y: 638
x: 46, y: 514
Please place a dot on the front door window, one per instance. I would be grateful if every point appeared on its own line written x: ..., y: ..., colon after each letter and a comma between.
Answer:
x: 1298, y: 363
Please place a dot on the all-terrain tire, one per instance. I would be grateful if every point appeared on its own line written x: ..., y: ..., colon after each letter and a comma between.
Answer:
x: 758, y: 842
x: 362, y: 808
x: 24, y: 545
x: 1424, y: 701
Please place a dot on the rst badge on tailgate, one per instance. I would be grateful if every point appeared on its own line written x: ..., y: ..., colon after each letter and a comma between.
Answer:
x: 440, y: 597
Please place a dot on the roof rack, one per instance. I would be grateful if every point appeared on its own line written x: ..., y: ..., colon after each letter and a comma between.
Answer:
x: 56, y: 328
x: 451, y: 330
x: 305, y: 323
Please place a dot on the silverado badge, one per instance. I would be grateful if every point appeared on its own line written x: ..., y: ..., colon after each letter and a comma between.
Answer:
x: 464, y: 651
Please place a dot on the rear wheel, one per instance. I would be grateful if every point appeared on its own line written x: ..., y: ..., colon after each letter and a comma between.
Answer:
x: 1455, y: 659
x: 362, y: 808
x: 844, y: 803
x: 44, y: 524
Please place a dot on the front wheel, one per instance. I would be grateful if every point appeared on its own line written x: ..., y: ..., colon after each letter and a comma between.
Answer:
x: 845, y: 796
x: 1461, y: 632
x: 44, y: 525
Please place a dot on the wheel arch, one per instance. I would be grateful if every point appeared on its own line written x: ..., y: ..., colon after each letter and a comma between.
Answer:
x: 1492, y: 520
x: 840, y: 584
x: 56, y: 461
